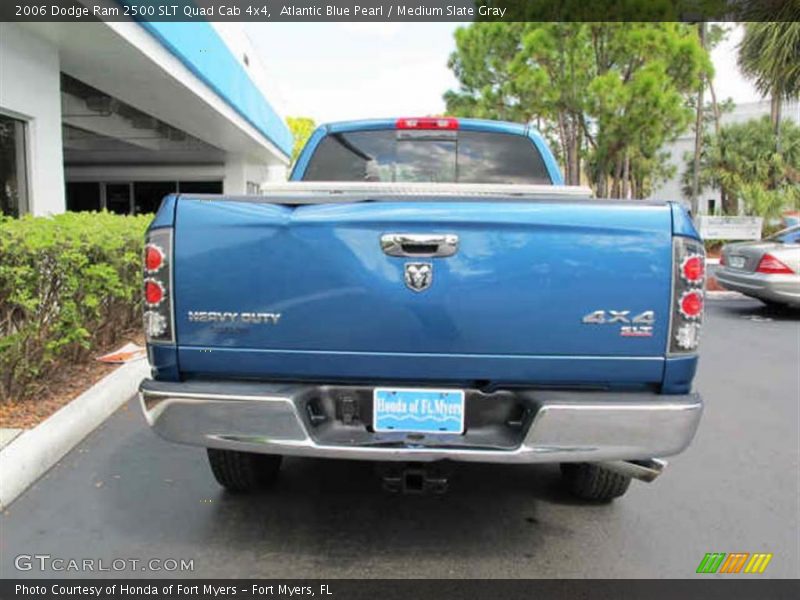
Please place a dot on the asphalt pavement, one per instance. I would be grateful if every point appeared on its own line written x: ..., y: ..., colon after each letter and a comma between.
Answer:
x: 125, y: 494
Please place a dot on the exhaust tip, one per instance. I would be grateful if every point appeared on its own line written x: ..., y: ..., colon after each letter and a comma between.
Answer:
x: 644, y: 470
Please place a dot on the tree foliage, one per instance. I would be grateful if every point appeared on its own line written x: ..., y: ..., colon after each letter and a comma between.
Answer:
x: 301, y: 128
x: 609, y: 95
x: 743, y: 163
x: 769, y: 54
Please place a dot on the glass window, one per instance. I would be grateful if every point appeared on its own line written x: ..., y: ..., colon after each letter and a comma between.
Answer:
x: 499, y: 158
x: 118, y: 198
x: 149, y: 194
x: 426, y: 155
x: 13, y: 170
x: 200, y: 187
x: 83, y: 196
x: 146, y: 195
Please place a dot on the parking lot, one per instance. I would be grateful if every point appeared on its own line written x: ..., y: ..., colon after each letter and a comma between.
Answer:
x: 124, y: 493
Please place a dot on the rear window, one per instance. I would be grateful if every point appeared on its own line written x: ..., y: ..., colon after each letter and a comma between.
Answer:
x: 427, y: 156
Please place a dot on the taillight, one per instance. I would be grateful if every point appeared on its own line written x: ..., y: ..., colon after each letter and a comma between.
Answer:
x: 691, y: 304
x: 771, y: 265
x: 153, y: 258
x: 158, y: 315
x: 688, y: 294
x: 693, y: 268
x: 153, y: 292
x: 426, y: 123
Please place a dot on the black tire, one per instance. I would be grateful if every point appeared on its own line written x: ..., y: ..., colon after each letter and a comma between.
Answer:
x: 592, y: 482
x: 775, y: 306
x: 243, y: 471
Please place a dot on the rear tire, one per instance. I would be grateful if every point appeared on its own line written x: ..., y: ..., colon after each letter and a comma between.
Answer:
x: 775, y: 306
x: 243, y: 471
x: 593, y: 482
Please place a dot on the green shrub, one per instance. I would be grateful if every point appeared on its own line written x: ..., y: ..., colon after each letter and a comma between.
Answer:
x: 714, y: 245
x: 68, y: 284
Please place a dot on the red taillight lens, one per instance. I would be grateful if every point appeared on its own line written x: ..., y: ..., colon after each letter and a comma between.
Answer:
x: 427, y: 123
x: 153, y: 292
x: 688, y: 277
x: 159, y: 318
x: 770, y: 264
x: 153, y: 258
x: 693, y: 269
x: 691, y: 304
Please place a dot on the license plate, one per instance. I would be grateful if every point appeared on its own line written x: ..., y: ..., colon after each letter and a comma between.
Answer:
x: 737, y: 262
x: 418, y: 410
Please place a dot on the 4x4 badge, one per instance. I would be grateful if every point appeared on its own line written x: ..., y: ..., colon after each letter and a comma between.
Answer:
x: 418, y: 275
x: 640, y: 325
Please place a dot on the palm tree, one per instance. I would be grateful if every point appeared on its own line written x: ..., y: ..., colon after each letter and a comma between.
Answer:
x: 769, y: 54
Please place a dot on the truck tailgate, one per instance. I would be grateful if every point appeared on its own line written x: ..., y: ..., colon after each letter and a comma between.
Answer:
x: 307, y: 292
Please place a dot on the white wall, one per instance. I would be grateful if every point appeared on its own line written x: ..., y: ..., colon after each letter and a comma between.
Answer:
x: 671, y: 189
x: 239, y: 172
x: 30, y: 89
x: 277, y: 173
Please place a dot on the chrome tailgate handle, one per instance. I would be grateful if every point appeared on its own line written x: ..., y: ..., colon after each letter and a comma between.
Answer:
x: 419, y: 245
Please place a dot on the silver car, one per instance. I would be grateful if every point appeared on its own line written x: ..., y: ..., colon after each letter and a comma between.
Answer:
x: 768, y: 269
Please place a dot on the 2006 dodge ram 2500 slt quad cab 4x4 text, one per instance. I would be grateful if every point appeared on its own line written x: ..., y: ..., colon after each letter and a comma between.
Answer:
x: 425, y: 290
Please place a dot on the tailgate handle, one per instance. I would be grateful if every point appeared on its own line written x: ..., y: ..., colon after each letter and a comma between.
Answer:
x: 419, y: 244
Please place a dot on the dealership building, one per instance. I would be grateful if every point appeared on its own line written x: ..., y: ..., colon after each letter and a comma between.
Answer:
x: 116, y: 115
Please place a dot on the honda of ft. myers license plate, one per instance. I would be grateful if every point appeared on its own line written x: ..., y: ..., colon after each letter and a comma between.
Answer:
x: 418, y: 411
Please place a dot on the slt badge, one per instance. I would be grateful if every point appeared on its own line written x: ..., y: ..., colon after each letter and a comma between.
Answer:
x: 418, y: 275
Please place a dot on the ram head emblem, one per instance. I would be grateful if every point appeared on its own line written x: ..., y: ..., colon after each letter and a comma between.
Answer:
x: 418, y: 275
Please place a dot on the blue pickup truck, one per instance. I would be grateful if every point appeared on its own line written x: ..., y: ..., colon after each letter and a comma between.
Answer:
x: 425, y: 290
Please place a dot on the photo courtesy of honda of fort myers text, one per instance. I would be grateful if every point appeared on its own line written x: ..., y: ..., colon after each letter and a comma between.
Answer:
x: 442, y: 300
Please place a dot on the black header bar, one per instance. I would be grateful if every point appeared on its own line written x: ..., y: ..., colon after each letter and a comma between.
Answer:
x: 400, y: 11
x: 699, y: 588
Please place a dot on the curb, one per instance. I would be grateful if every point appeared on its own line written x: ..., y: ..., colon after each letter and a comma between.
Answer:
x: 35, y: 451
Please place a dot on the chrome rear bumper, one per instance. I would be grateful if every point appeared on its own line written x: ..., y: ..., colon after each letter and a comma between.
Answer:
x: 558, y: 426
x: 777, y: 288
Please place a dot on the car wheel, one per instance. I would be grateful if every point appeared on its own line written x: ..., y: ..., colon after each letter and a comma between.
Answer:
x: 243, y: 471
x: 593, y: 482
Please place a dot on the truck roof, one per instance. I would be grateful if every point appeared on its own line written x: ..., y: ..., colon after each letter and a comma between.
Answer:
x: 465, y: 124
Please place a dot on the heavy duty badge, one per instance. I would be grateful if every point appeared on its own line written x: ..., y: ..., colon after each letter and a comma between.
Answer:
x: 233, y: 317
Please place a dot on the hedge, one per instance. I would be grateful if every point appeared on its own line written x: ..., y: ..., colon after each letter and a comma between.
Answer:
x: 69, y: 284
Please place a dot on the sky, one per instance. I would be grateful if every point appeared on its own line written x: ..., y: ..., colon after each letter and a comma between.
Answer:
x: 340, y: 71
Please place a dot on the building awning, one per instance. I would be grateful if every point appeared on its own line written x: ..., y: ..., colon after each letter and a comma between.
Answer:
x: 182, y: 74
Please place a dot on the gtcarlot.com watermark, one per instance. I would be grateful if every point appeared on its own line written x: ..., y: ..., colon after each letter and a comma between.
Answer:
x: 47, y: 562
